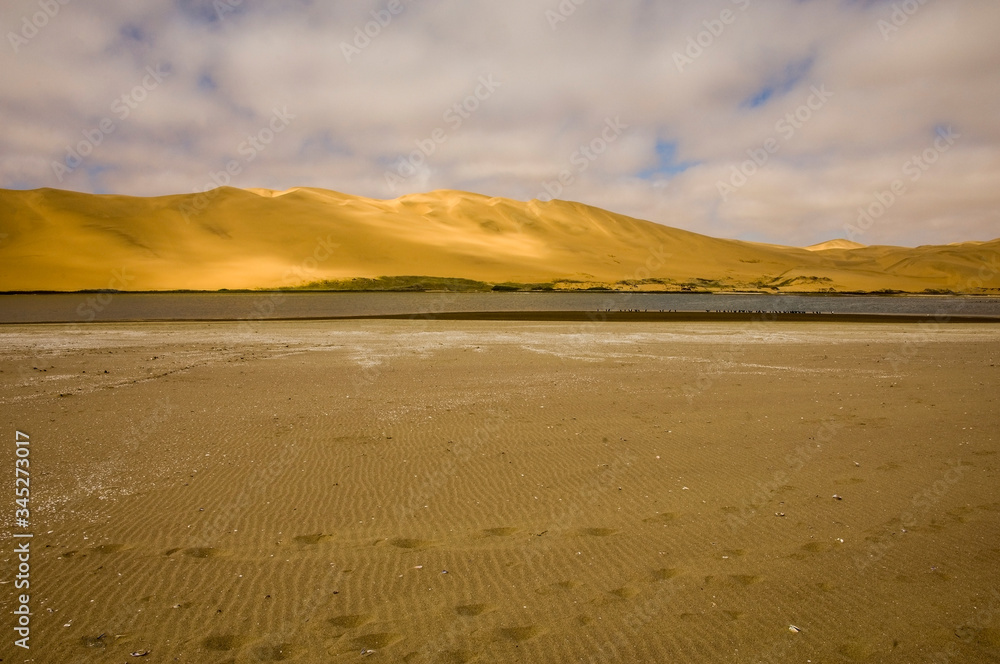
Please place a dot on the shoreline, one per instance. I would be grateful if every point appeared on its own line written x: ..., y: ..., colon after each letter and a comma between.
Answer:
x: 575, y: 316
x: 887, y: 293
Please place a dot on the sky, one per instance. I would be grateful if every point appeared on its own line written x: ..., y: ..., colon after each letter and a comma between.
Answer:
x: 781, y: 121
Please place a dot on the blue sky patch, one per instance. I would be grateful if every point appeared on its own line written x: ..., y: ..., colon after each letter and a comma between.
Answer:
x: 780, y: 84
x: 668, y: 166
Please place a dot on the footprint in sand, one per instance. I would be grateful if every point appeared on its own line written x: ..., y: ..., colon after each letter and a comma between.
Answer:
x: 309, y: 540
x: 817, y: 547
x: 561, y: 586
x: 223, y: 642
x: 520, y: 634
x: 404, y: 543
x: 986, y: 636
x: 665, y: 574
x: 105, y: 549
x: 625, y: 592
x: 663, y: 517
x: 376, y: 641
x: 473, y: 610
x: 204, y: 552
x: 744, y: 579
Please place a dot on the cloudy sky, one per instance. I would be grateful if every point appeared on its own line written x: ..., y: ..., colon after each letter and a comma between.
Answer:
x: 768, y: 120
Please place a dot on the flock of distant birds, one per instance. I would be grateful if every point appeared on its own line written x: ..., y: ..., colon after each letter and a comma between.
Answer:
x: 717, y: 311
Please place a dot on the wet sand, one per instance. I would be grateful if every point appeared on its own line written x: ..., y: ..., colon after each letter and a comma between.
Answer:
x: 463, y: 491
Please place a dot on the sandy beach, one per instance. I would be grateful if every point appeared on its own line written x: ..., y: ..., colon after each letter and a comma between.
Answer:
x: 469, y: 491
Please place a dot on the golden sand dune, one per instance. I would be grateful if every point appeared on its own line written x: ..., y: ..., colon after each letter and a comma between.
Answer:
x: 835, y: 244
x: 234, y: 238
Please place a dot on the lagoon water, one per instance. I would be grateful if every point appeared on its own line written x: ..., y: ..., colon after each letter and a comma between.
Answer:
x: 112, y: 307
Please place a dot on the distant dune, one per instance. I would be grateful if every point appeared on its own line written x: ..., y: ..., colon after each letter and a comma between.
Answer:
x: 245, y: 239
x: 835, y: 244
